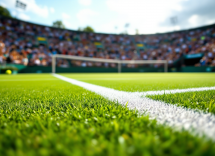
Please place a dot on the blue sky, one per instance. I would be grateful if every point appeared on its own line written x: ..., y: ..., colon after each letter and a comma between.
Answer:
x: 110, y: 16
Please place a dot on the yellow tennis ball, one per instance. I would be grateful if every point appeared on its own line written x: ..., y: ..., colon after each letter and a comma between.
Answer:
x: 8, y: 72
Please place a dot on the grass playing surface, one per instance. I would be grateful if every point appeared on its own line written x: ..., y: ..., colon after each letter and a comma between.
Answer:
x: 203, y: 100
x: 42, y: 115
x: 147, y: 82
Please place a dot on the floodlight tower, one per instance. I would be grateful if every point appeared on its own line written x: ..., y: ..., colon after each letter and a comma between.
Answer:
x: 20, y: 5
x: 126, y: 27
x: 174, y: 21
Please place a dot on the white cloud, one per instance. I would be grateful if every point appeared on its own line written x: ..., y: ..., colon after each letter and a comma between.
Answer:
x: 23, y: 16
x: 85, y: 15
x: 32, y: 7
x: 145, y: 15
x: 67, y: 23
x: 210, y: 22
x: 177, y: 27
x: 66, y: 20
x: 193, y: 20
x: 85, y: 2
x: 65, y: 15
x: 2, y: 4
x: 52, y: 10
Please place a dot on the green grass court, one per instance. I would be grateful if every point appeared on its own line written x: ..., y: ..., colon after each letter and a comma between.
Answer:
x: 147, y: 82
x: 43, y: 115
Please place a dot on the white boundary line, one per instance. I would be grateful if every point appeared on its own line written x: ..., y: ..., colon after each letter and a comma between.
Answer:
x: 197, y: 122
x: 161, y: 92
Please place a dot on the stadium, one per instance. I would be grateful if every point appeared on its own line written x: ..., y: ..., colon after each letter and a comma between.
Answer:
x: 81, y: 92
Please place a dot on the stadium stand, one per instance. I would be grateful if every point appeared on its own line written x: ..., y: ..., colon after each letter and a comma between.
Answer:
x: 33, y: 45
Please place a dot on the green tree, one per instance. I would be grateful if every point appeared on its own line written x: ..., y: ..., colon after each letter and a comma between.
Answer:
x: 59, y: 24
x: 4, y: 12
x: 86, y: 29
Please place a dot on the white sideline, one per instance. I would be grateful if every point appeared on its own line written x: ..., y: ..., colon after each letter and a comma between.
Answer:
x: 161, y: 92
x: 197, y: 122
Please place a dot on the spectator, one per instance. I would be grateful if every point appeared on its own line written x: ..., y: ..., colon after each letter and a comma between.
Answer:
x: 19, y: 45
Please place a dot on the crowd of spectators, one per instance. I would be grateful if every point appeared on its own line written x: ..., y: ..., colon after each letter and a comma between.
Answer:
x: 172, y: 46
x: 20, y: 44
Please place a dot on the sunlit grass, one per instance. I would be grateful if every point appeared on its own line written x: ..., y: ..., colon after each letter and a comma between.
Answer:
x: 202, y: 100
x: 148, y: 81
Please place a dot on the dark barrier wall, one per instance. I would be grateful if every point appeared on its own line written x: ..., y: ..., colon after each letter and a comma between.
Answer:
x: 198, y: 69
x: 42, y: 69
x: 37, y: 69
